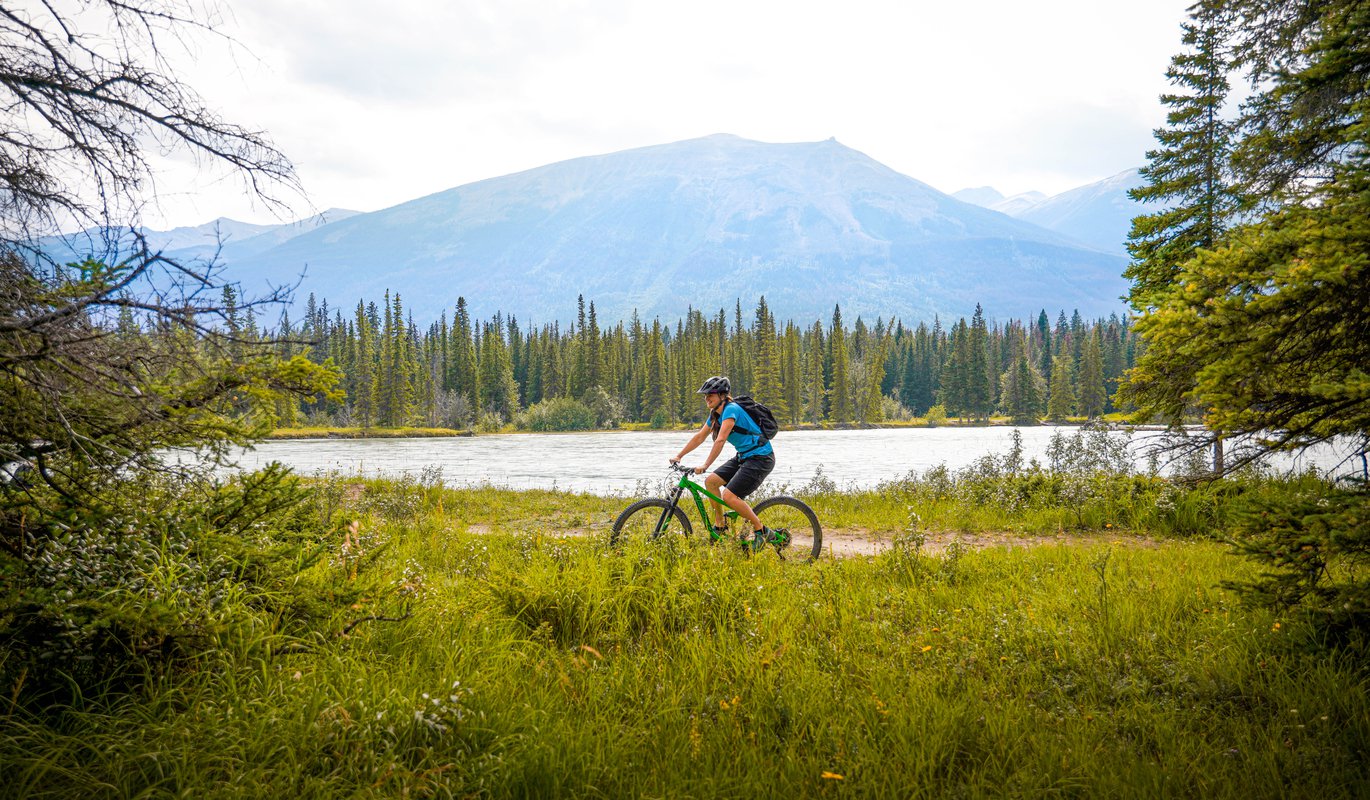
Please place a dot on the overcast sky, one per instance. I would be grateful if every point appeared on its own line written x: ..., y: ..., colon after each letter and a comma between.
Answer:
x: 379, y: 103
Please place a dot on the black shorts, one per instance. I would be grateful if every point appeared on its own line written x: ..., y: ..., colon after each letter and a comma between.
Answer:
x: 742, y: 476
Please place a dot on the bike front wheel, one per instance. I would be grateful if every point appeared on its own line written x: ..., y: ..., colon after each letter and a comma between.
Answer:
x: 792, y: 518
x: 649, y: 519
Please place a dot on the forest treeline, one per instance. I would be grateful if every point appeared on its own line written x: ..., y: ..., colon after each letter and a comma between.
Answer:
x: 487, y: 373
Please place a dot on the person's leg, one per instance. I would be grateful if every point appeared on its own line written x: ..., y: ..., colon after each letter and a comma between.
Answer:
x: 715, y: 481
x: 750, y: 474
x: 740, y: 506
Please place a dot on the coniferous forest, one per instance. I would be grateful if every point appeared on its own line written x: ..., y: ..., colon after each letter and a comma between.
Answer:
x: 466, y: 372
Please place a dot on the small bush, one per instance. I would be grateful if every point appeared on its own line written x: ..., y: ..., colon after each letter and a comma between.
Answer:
x: 1315, y: 545
x: 561, y: 414
x: 152, y: 570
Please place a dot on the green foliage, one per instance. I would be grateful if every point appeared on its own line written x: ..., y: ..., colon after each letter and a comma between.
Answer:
x: 1188, y: 173
x: 1061, y: 403
x: 625, y: 372
x: 118, y: 556
x: 1265, y: 325
x: 152, y: 570
x: 1315, y: 546
x: 956, y: 670
x: 1262, y: 326
x: 561, y: 414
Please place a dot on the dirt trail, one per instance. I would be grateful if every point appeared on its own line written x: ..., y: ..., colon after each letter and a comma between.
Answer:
x: 845, y: 542
x: 860, y: 542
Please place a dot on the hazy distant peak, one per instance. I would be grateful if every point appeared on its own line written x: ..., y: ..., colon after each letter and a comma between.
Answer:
x: 1098, y: 214
x: 983, y: 196
x: 1015, y: 205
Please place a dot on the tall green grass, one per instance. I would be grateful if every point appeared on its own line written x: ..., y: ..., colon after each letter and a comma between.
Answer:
x: 527, y: 663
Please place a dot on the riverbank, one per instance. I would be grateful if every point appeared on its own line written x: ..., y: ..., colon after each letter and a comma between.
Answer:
x: 420, y: 433
x: 367, y: 433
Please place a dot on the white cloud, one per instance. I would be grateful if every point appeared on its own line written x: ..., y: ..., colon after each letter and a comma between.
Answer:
x: 380, y: 103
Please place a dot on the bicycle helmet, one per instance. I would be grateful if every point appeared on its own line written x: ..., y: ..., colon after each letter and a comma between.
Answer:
x: 718, y: 384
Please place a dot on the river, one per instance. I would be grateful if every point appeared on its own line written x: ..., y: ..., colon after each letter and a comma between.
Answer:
x: 615, y: 462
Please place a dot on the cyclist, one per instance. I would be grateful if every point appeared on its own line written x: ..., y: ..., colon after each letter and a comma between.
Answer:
x: 741, y: 474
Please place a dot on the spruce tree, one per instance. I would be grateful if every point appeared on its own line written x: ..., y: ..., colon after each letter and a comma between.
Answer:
x: 816, y: 392
x: 954, y: 374
x: 979, y: 376
x: 462, y: 376
x: 1093, y: 395
x: 655, y: 387
x: 1188, y: 175
x: 1022, y: 391
x: 1062, y: 401
x: 839, y: 393
x: 499, y: 393
x: 877, y: 351
x: 765, y: 386
x: 791, y: 375
x: 363, y: 383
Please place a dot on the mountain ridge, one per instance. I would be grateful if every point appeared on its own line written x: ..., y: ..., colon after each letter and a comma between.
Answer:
x: 703, y: 223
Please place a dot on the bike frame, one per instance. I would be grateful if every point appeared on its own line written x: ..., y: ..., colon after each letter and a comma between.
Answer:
x: 695, y: 491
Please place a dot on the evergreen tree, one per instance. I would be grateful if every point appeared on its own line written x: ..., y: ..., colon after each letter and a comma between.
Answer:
x: 1022, y: 387
x: 499, y: 394
x: 1044, y: 342
x: 953, y: 394
x: 1188, y: 175
x: 1062, y: 401
x: 363, y: 383
x: 595, y: 357
x: 655, y: 388
x: 462, y: 376
x: 814, y: 375
x: 979, y: 377
x: 838, y: 391
x: 792, y: 375
x: 871, y: 409
x: 1093, y: 395
x: 765, y: 385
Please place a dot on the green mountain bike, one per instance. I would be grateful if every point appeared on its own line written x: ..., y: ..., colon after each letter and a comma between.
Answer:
x: 794, y: 527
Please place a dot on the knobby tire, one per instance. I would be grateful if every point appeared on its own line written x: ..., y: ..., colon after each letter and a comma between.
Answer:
x: 795, y: 517
x: 638, y: 521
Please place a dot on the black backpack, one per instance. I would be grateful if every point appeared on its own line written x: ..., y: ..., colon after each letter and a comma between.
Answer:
x: 761, y: 415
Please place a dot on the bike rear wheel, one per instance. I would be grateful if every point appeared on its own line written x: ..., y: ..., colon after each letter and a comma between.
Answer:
x: 792, y: 517
x: 642, y: 521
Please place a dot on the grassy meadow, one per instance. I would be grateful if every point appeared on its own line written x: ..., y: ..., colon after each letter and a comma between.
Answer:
x: 493, y: 645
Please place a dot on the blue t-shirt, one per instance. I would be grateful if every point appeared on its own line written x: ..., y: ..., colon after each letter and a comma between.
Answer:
x: 746, y: 437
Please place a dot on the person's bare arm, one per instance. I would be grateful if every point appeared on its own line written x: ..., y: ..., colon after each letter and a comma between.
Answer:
x: 723, y: 431
x: 693, y: 443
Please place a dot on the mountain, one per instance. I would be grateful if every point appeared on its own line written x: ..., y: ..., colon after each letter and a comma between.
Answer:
x: 982, y: 196
x: 1099, y: 214
x: 1016, y: 204
x: 222, y: 235
x: 233, y: 248
x: 701, y: 223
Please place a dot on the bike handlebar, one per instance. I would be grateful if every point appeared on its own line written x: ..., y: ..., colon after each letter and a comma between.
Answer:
x: 676, y: 466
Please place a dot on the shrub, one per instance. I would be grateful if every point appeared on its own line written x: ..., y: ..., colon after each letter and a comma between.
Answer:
x: 1315, y: 544
x: 153, y: 570
x: 609, y: 410
x: 560, y: 414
